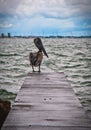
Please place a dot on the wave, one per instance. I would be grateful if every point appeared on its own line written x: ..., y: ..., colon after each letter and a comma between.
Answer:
x: 87, y: 76
x: 4, y: 54
x: 85, y: 58
x: 80, y: 54
x: 87, y: 83
x: 72, y: 66
x: 2, y: 62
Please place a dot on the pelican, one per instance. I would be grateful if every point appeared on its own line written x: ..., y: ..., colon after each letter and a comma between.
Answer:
x: 36, y: 57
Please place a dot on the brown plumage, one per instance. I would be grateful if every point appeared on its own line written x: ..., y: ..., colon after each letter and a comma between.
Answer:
x: 36, y: 57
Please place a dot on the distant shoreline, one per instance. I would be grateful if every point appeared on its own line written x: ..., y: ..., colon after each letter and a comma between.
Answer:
x: 47, y: 37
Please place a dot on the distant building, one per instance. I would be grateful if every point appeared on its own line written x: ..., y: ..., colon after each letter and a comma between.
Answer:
x: 9, y: 35
x: 2, y: 35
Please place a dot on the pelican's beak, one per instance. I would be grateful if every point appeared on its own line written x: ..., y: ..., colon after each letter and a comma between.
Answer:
x: 39, y: 45
x: 44, y: 51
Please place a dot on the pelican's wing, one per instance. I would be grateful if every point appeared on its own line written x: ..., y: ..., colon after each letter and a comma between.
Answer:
x: 32, y: 58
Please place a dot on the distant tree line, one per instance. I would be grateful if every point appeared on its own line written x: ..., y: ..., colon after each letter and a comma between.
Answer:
x: 51, y: 36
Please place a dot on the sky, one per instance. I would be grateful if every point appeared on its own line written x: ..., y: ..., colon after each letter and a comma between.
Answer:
x: 45, y: 17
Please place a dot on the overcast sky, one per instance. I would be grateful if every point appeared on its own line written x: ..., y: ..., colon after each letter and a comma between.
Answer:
x: 45, y: 17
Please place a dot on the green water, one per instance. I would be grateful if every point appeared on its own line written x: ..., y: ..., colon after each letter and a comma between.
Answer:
x: 71, y: 56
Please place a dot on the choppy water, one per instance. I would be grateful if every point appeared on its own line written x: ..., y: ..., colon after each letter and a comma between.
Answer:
x: 71, y: 56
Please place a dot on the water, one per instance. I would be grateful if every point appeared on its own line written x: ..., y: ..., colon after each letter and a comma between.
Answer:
x: 71, y: 56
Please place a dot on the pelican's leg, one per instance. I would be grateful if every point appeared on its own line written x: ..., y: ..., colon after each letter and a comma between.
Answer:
x: 39, y: 69
x: 33, y: 69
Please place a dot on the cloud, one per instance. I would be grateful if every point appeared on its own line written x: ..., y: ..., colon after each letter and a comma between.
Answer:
x: 80, y: 8
x: 42, y: 22
x: 6, y: 25
x: 53, y: 8
x: 8, y: 6
x: 45, y: 14
x: 87, y: 25
x: 47, y: 8
x: 78, y: 2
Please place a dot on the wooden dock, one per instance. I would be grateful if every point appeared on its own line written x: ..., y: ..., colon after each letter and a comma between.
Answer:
x: 46, y: 101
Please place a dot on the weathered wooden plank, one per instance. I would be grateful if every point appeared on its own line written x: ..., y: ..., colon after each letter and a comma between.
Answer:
x: 41, y: 119
x: 45, y: 114
x: 46, y: 128
x: 46, y: 92
x: 47, y: 102
x: 43, y: 107
x: 45, y: 78
x: 59, y: 86
x: 57, y: 81
x: 47, y: 75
